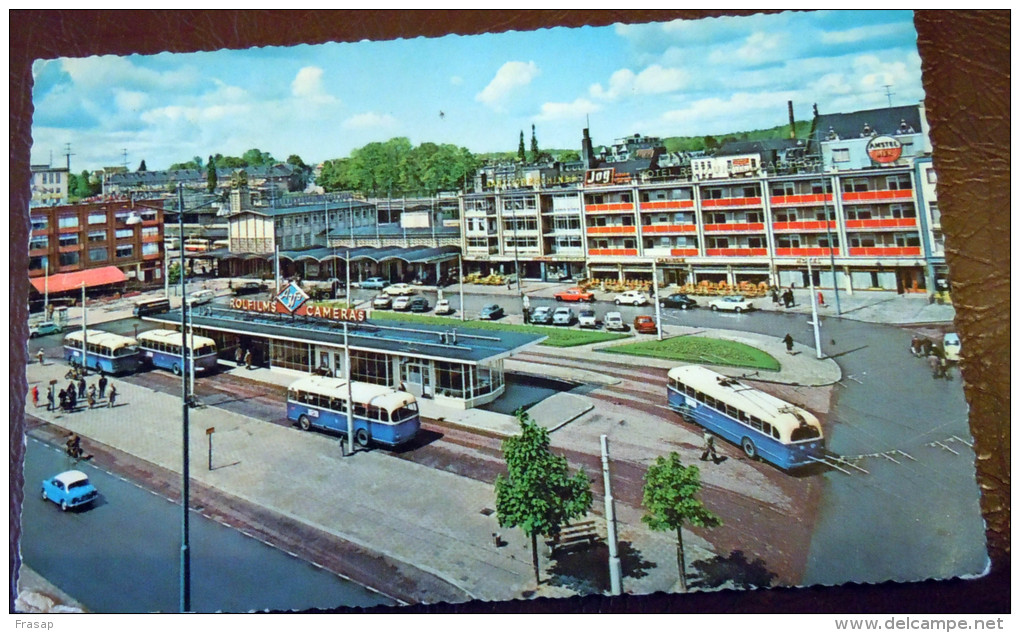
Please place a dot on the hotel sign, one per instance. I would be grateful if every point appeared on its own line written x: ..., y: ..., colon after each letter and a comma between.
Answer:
x: 885, y: 149
x: 294, y: 301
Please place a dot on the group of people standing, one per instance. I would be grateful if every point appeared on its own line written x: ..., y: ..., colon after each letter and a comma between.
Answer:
x: 785, y: 297
x: 923, y: 347
x: 76, y: 392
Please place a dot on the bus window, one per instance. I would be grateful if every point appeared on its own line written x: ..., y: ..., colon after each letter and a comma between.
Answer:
x: 804, y: 432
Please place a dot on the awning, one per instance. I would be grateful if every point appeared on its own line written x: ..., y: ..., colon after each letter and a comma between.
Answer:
x: 72, y: 281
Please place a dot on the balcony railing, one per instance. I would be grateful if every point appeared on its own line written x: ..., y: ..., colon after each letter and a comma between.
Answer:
x: 616, y: 252
x: 805, y: 225
x: 885, y: 251
x: 800, y: 199
x: 806, y: 251
x: 669, y: 228
x: 732, y: 227
x: 736, y: 252
x: 878, y: 196
x: 667, y: 205
x: 611, y: 206
x: 882, y: 223
x: 716, y: 203
x: 612, y: 230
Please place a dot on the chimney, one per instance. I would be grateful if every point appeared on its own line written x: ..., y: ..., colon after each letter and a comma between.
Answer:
x: 586, y: 151
x: 793, y: 125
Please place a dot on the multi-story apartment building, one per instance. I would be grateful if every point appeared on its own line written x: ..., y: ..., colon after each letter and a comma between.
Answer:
x: 49, y: 185
x: 857, y: 200
x: 110, y: 242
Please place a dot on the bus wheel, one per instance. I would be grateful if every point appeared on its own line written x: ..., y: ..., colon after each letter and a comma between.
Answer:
x: 177, y: 369
x: 304, y: 423
x: 749, y: 448
x: 361, y: 437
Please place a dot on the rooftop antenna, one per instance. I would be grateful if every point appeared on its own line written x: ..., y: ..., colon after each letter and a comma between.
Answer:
x: 124, y: 162
x: 68, y: 154
x: 888, y: 94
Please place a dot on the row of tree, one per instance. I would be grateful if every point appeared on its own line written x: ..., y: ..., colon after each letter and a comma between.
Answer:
x: 539, y: 496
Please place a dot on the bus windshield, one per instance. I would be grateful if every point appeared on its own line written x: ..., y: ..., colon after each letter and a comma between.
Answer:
x: 405, y: 412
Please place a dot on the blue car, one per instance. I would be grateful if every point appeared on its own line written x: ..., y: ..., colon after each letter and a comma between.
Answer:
x: 374, y: 283
x: 491, y: 312
x: 69, y: 489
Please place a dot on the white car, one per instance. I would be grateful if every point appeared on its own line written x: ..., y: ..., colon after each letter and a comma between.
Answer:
x: 631, y: 297
x: 200, y: 297
x: 732, y: 303
x: 614, y: 321
x: 951, y: 346
x: 587, y: 319
x: 397, y: 290
x: 401, y: 303
x: 443, y: 307
x: 563, y: 316
x: 382, y: 302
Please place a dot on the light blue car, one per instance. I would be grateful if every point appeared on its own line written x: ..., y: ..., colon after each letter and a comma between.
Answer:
x: 374, y: 283
x: 69, y: 489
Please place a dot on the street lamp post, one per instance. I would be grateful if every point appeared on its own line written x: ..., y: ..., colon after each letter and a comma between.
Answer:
x: 814, y: 311
x: 460, y: 282
x: 185, y: 605
x: 828, y: 228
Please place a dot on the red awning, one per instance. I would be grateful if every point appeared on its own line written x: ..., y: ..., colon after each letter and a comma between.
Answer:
x: 73, y: 281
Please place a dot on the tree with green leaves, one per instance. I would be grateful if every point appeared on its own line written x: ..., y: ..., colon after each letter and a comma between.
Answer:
x: 537, y: 494
x: 534, y: 145
x: 211, y: 179
x: 670, y: 499
x: 520, y: 149
x: 141, y: 167
x: 174, y: 273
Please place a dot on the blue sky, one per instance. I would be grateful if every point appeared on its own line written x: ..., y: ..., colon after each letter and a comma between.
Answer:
x: 680, y: 78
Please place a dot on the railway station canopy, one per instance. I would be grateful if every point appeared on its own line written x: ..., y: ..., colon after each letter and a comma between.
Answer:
x: 410, y: 254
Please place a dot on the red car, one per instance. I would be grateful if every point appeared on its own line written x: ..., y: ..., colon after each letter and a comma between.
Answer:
x: 645, y: 325
x: 574, y: 294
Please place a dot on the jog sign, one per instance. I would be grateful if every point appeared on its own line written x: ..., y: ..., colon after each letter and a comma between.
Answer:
x: 885, y: 149
x: 599, y: 176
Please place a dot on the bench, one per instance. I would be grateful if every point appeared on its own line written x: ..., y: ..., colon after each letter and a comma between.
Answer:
x: 572, y: 535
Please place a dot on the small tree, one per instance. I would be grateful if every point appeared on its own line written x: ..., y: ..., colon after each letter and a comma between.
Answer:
x: 534, y: 145
x: 174, y: 272
x: 520, y: 149
x: 670, y: 498
x: 211, y: 179
x: 537, y: 495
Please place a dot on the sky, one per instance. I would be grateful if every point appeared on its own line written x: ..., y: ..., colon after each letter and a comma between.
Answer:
x: 680, y: 78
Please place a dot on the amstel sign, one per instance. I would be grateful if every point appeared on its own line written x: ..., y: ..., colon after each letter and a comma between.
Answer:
x: 885, y: 149
x: 293, y: 300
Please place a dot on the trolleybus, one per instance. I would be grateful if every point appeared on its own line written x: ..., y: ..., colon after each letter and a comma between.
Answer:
x: 762, y: 425
x: 111, y: 353
x: 162, y: 348
x: 381, y: 414
x: 151, y: 306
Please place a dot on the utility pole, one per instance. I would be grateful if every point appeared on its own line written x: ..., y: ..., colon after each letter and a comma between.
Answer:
x: 615, y: 568
x: 185, y: 605
x: 655, y: 298
x: 814, y: 311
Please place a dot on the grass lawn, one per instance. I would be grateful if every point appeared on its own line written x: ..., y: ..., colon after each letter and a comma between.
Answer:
x: 697, y: 349
x: 558, y: 337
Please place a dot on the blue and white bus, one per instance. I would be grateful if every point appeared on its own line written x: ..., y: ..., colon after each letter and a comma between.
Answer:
x: 762, y: 425
x: 162, y: 348
x: 110, y: 353
x: 381, y: 414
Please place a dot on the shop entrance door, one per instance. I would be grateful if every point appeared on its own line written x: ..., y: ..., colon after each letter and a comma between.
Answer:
x: 415, y: 377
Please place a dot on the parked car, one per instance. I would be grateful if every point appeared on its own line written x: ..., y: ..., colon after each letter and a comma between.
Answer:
x: 443, y: 307
x: 373, y: 283
x: 43, y: 328
x: 200, y: 297
x: 574, y: 294
x: 542, y: 315
x: 632, y: 298
x: 397, y: 290
x: 563, y: 316
x: 733, y: 303
x: 69, y: 489
x: 586, y: 319
x: 250, y: 288
x: 614, y: 321
x: 402, y: 303
x: 645, y: 324
x: 491, y: 312
x: 383, y: 302
x: 951, y: 346
x: 678, y: 300
x: 417, y: 303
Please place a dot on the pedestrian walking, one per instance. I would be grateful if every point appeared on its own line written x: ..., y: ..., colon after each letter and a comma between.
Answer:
x: 49, y: 399
x: 709, y: 448
x: 821, y: 299
x: 915, y: 346
x: 113, y: 396
x: 788, y: 298
x: 72, y: 400
x: 944, y: 368
x: 81, y: 388
x: 789, y: 343
x: 775, y: 295
x: 238, y: 356
x: 91, y: 399
x: 35, y: 395
x: 70, y: 387
x: 92, y: 391
x: 508, y: 284
x: 40, y: 355
x: 247, y: 359
x: 102, y: 386
x: 933, y: 362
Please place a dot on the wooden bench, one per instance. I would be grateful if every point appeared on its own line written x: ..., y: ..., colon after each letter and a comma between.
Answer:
x: 582, y: 533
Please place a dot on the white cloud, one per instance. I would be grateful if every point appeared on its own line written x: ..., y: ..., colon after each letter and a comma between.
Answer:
x: 655, y: 79
x: 553, y: 111
x: 758, y: 48
x: 861, y: 33
x: 369, y: 120
x: 511, y: 76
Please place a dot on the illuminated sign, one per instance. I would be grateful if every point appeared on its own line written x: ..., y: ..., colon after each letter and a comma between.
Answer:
x: 599, y: 176
x: 884, y: 149
x: 293, y: 300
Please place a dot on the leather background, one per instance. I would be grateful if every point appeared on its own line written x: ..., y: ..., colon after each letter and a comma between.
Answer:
x: 966, y: 73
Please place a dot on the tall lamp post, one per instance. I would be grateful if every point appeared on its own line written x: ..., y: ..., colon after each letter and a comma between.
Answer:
x: 828, y: 228
x: 185, y: 605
